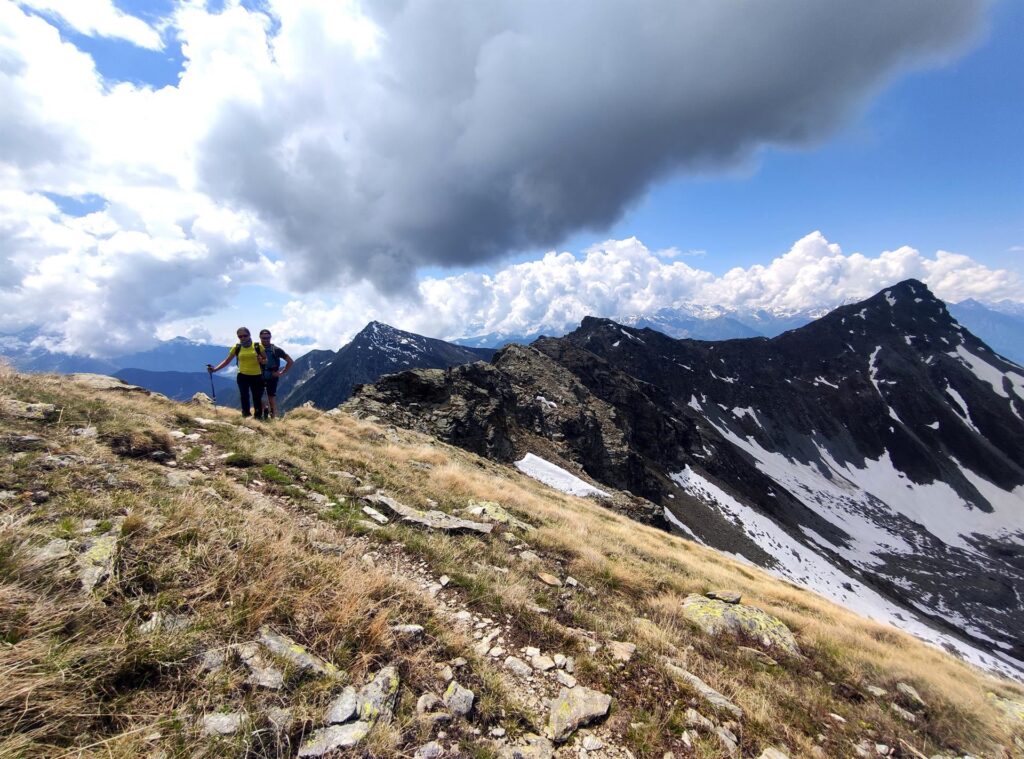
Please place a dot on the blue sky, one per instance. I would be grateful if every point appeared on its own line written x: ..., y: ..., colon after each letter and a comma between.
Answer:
x: 196, y: 183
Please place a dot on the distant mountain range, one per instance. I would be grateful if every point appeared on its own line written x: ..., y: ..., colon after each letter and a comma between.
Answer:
x: 875, y: 455
x: 181, y: 386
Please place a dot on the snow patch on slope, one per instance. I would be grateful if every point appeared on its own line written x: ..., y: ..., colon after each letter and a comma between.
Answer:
x: 555, y: 477
x: 802, y: 565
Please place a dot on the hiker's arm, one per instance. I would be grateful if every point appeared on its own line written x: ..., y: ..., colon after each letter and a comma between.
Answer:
x: 222, y: 364
x: 287, y: 366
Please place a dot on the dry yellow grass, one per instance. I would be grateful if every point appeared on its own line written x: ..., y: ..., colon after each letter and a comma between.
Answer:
x: 79, y: 678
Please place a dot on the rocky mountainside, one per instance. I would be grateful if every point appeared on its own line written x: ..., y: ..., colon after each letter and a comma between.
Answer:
x: 175, y: 580
x: 875, y: 455
x: 378, y: 349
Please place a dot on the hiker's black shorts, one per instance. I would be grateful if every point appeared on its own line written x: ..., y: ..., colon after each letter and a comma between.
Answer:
x: 251, y: 383
x: 271, y: 385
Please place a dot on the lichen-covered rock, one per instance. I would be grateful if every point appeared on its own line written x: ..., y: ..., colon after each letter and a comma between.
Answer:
x: 575, y: 708
x: 1012, y: 709
x: 458, y: 699
x: 289, y: 650
x: 377, y: 697
x: 96, y: 562
x: 718, y: 617
x: 334, y: 737
x: 495, y: 512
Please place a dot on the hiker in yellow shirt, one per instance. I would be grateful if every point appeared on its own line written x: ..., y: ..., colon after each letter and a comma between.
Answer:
x: 251, y: 358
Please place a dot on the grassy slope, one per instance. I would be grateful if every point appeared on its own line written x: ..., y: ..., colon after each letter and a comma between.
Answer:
x: 233, y: 550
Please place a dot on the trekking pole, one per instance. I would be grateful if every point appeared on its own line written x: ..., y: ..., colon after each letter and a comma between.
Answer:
x: 212, y: 388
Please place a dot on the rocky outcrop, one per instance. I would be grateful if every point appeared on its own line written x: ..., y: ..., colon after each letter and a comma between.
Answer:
x: 433, y: 519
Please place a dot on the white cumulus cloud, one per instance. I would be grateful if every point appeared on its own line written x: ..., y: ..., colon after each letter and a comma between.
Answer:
x: 623, y: 277
x: 99, y: 18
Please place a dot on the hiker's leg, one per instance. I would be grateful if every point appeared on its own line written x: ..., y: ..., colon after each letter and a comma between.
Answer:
x: 272, y: 395
x: 257, y: 395
x: 243, y: 393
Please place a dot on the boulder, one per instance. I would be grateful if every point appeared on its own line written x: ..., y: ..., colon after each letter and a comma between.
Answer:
x: 910, y: 693
x: 575, y: 708
x: 201, y: 399
x: 495, y: 512
x: 431, y: 750
x: 717, y: 617
x: 262, y: 673
x: 621, y: 651
x: 518, y: 667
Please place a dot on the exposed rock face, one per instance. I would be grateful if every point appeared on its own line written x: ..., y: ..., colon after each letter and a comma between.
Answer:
x: 378, y: 349
x: 875, y: 455
x: 718, y: 617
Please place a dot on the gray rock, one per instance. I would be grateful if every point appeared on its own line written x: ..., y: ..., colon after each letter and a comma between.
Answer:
x: 222, y: 724
x: 726, y: 596
x: 698, y: 721
x: 343, y: 707
x: 903, y: 713
x: 518, y: 667
x: 728, y: 740
x: 377, y: 697
x: 757, y: 655
x: 435, y: 520
x: 495, y: 512
x: 620, y: 651
x: 164, y: 622
x: 103, y: 382
x: 289, y: 650
x: 54, y: 550
x: 375, y: 515
x: 909, y: 692
x: 877, y: 692
x: 334, y: 737
x: 542, y: 663
x: 212, y: 660
x: 564, y: 678
x: 705, y: 691
x: 592, y: 743
x: 178, y: 478
x: 201, y: 399
x: 773, y: 753
x: 431, y: 750
x: 575, y: 708
x: 530, y: 747
x: 85, y: 432
x: 261, y: 672
x: 529, y: 556
x: 458, y: 699
x: 280, y: 719
x: 427, y: 703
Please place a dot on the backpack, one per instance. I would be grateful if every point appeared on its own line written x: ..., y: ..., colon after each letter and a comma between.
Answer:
x: 273, y: 358
x: 258, y: 347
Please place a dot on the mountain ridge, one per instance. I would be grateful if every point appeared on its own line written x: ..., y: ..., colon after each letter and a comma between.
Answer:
x: 883, y: 437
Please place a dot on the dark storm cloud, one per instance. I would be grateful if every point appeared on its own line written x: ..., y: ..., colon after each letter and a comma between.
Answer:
x: 480, y: 128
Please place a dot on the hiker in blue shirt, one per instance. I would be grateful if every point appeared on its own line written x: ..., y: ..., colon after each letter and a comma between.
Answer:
x: 272, y: 370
